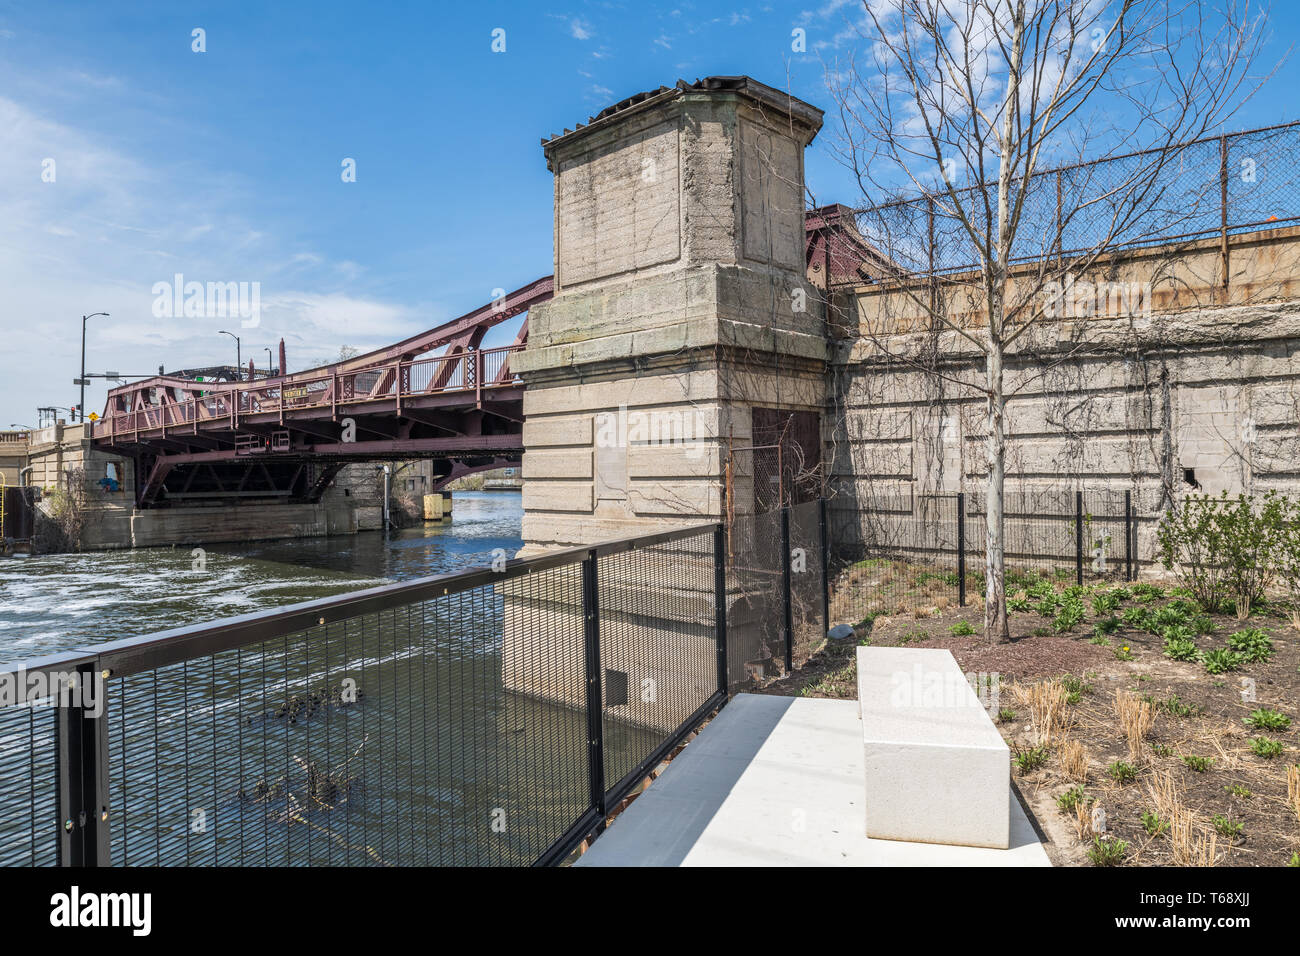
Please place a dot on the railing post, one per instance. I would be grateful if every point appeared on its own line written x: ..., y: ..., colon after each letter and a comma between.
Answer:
x: 82, y: 768
x: 595, y: 726
x: 961, y: 549
x: 823, y: 526
x: 1128, y: 536
x: 720, y: 601
x: 1224, y: 253
x: 1078, y: 538
x: 785, y: 587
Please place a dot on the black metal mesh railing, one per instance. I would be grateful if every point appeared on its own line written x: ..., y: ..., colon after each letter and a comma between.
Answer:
x: 29, y: 812
x: 450, y: 721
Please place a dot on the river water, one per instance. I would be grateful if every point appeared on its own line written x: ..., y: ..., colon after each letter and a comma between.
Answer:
x: 435, y: 760
x: 51, y: 603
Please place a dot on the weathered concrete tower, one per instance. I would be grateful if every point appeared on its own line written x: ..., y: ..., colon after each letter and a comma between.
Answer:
x: 681, y: 308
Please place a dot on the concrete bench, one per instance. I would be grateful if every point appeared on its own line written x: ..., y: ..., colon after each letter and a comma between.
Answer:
x: 937, y: 770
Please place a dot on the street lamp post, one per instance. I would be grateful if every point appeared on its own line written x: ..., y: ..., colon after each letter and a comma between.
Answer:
x: 81, y: 405
x: 239, y: 357
x: 269, y: 366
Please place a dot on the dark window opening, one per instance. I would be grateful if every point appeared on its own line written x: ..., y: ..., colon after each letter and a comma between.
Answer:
x: 1189, y: 477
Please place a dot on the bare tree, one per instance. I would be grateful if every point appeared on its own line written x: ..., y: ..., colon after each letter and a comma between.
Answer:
x: 964, y: 105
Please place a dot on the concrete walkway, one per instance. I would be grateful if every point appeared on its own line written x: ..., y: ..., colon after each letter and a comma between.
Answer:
x: 777, y: 781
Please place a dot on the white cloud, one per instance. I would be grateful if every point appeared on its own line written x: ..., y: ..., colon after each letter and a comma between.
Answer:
x: 109, y: 227
x: 580, y: 29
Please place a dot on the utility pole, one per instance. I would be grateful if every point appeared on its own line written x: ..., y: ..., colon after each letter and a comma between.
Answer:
x: 81, y: 405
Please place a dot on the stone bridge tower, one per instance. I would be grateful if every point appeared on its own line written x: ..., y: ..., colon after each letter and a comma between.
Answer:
x: 681, y: 312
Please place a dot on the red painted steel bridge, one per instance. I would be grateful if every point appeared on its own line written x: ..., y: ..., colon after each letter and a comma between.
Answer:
x: 287, y: 437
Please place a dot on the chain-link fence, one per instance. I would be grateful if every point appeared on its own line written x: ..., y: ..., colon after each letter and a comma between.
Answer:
x: 1218, y: 186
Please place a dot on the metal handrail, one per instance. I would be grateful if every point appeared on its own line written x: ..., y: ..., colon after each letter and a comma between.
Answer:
x: 134, y: 654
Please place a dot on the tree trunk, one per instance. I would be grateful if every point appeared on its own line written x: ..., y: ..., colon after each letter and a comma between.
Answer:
x: 995, y: 604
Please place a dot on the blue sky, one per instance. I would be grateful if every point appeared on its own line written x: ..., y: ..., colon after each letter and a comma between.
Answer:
x: 225, y: 165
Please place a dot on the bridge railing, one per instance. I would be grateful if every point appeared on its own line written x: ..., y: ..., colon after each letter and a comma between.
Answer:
x: 473, y: 370
x: 491, y: 717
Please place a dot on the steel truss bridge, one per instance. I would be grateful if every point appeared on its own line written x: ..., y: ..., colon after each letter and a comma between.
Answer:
x: 287, y: 437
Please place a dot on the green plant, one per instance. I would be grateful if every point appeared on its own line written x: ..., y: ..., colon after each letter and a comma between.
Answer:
x: 1147, y: 592
x: 1220, y: 660
x: 1074, y: 688
x: 1162, y: 750
x: 1107, y: 852
x: 1226, y: 827
x: 1006, y: 715
x: 1139, y: 617
x: 1152, y: 823
x: 1199, y: 764
x: 1029, y: 760
x: 1070, y: 800
x: 1174, y: 706
x: 1221, y: 548
x: 1261, y: 718
x: 1252, y: 644
x: 1266, y: 747
x: 1122, y: 772
x: 1181, y: 649
x: 1103, y: 602
x: 1019, y: 604
x: 1099, y: 640
x: 1070, y: 614
x: 962, y: 629
x: 1294, y: 861
x: 1106, y: 625
x: 1239, y: 791
x: 1123, y: 653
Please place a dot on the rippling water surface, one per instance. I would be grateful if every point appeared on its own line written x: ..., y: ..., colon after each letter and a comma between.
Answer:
x: 56, y: 602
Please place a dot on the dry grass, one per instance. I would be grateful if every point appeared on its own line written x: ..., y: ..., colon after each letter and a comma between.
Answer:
x: 1193, y: 843
x: 1293, y: 788
x: 1083, y: 816
x: 1135, y: 719
x: 1048, y: 710
x: 1074, y: 761
x: 1166, y: 797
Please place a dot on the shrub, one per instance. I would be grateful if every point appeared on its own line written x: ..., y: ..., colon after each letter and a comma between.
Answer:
x: 1261, y: 718
x: 962, y: 628
x: 1229, y: 549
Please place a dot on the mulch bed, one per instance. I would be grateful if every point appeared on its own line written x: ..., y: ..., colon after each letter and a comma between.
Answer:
x: 1198, y: 715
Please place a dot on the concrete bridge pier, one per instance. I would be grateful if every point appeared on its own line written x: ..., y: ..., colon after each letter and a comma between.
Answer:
x: 682, y: 313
